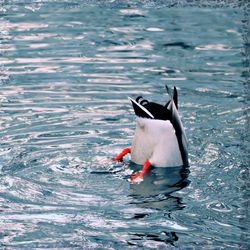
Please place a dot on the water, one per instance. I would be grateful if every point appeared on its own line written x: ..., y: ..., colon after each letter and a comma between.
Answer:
x: 66, y: 72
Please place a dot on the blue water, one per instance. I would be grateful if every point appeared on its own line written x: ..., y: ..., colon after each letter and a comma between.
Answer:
x: 66, y: 70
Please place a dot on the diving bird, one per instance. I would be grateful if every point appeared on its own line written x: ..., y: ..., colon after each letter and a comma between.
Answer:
x: 159, y: 138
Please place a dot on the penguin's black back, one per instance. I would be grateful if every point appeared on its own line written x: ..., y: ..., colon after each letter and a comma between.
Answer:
x: 158, y: 111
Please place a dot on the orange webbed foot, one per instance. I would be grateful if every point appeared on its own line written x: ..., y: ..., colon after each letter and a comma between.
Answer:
x: 138, y: 177
x: 120, y: 156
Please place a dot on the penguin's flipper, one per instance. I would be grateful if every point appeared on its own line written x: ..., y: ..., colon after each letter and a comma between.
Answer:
x: 179, y: 131
x: 173, y: 96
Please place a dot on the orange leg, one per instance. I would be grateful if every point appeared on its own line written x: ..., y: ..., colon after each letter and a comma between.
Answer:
x: 138, y: 177
x: 122, y: 154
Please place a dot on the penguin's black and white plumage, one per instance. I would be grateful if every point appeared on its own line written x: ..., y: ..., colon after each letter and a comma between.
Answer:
x: 159, y: 138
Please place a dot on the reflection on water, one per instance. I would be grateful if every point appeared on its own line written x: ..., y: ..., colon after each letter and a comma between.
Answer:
x: 66, y: 70
x: 157, y: 192
x: 158, y: 188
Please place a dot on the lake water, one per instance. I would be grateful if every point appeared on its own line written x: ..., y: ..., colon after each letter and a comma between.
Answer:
x: 66, y: 71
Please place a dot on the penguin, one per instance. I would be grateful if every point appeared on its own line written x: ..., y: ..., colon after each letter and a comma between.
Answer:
x: 159, y: 138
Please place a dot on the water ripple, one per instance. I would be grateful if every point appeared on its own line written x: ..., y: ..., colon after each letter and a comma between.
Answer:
x: 66, y: 73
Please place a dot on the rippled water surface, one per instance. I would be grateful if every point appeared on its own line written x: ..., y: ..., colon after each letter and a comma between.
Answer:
x: 66, y: 72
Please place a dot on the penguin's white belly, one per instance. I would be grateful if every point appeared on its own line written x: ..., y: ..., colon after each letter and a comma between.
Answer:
x: 156, y: 141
